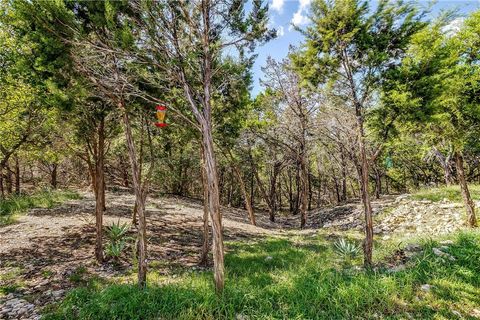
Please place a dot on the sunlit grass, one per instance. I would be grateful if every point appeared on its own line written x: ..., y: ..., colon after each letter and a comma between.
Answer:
x: 451, y: 193
x: 299, y: 278
x: 18, y: 204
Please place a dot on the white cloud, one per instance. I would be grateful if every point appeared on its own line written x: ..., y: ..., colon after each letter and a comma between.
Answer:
x: 280, y: 31
x: 304, y: 4
x: 299, y: 17
x: 454, y: 26
x: 277, y: 5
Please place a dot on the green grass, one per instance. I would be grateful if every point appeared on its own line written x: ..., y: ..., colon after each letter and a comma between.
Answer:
x: 451, y: 193
x: 303, y: 279
x: 18, y: 204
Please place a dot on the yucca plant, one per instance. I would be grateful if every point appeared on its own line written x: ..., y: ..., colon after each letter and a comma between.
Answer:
x: 117, y: 239
x: 346, y: 250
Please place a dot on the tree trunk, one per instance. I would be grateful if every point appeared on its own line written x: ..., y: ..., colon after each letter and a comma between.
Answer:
x: 243, y: 188
x: 378, y: 183
x: 205, y: 244
x: 9, y: 179
x: 363, y: 177
x: 263, y: 192
x: 53, y: 176
x: 214, y: 207
x: 467, y: 199
x: 17, y: 176
x: 99, y: 191
x: 2, y: 190
x: 344, y: 176
x: 303, y: 190
x: 139, y: 200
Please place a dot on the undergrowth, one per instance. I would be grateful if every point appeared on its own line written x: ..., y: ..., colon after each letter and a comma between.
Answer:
x: 14, y: 205
x: 451, y: 193
x: 294, y: 278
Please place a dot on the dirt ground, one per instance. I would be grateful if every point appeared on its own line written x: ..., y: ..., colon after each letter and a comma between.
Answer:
x: 44, y: 248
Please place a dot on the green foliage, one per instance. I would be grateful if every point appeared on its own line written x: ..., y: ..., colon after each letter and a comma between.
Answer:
x: 117, y: 239
x: 17, y: 204
x: 299, y: 281
x: 451, y: 193
x: 346, y: 250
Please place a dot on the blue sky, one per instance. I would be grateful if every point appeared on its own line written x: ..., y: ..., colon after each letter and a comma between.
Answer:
x: 284, y: 12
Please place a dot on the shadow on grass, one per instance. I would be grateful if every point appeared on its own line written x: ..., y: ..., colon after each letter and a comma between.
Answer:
x: 278, y: 279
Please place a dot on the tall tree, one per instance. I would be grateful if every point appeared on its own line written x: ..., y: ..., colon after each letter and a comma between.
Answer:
x: 435, y: 94
x: 349, y: 46
x: 186, y: 40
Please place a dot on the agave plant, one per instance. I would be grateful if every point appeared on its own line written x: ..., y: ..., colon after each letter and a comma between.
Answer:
x: 346, y: 250
x: 117, y: 239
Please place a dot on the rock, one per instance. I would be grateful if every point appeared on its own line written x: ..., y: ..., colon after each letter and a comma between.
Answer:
x: 446, y: 242
x: 22, y: 311
x: 440, y: 253
x: 241, y: 317
x: 475, y: 313
x: 398, y: 268
x: 426, y: 287
x: 458, y: 314
x: 268, y: 258
x: 58, y: 293
x: 412, y: 247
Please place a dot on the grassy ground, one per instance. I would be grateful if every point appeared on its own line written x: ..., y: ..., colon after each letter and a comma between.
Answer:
x: 451, y: 193
x: 18, y: 204
x: 295, y: 278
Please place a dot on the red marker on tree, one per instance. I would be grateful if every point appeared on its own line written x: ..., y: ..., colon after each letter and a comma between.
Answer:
x: 161, y: 111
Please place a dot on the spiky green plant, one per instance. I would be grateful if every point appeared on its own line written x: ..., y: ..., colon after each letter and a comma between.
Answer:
x: 346, y: 250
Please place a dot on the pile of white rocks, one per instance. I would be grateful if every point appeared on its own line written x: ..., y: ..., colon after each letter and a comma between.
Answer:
x: 414, y: 217
x: 401, y: 216
x: 12, y: 307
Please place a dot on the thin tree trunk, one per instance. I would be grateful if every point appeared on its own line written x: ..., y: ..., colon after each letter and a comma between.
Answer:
x: 139, y: 200
x: 243, y: 188
x: 363, y: 177
x: 467, y: 199
x: 9, y: 179
x: 344, y: 175
x: 303, y: 190
x: 53, y: 176
x: 100, y: 191
x: 263, y: 192
x: 17, y: 176
x: 214, y: 208
x: 2, y: 190
x: 205, y: 244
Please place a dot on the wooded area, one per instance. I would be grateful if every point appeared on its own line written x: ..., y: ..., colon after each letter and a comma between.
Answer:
x: 378, y: 100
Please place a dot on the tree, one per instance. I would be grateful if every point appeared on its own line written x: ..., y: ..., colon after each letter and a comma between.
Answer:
x: 348, y: 48
x: 185, y: 41
x: 434, y: 94
x: 294, y: 106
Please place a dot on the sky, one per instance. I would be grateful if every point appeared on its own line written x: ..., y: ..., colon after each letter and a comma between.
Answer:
x: 285, y: 12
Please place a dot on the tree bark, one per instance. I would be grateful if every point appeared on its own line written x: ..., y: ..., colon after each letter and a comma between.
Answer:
x: 9, y: 179
x: 139, y: 200
x: 205, y: 244
x: 467, y: 199
x: 17, y: 176
x: 243, y: 188
x: 53, y: 176
x: 363, y: 177
x: 263, y: 192
x: 99, y: 190
x: 303, y: 190
x: 2, y: 190
x: 214, y: 207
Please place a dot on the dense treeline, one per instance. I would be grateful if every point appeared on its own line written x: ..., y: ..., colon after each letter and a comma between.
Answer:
x: 375, y: 101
